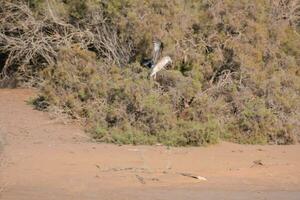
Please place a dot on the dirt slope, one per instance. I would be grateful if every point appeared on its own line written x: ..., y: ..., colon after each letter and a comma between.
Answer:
x: 45, y: 159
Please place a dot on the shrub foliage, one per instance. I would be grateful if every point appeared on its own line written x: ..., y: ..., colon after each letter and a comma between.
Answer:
x: 235, y: 75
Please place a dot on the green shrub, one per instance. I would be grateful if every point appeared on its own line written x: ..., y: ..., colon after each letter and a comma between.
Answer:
x: 122, y: 105
x: 235, y: 74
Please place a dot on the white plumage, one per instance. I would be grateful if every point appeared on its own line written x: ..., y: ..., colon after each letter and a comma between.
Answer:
x: 162, y: 63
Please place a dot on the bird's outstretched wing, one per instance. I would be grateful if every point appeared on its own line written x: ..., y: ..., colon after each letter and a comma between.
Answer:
x: 162, y: 63
x: 157, y: 49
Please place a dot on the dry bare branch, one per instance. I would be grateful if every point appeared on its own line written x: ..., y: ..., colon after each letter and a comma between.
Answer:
x: 28, y: 40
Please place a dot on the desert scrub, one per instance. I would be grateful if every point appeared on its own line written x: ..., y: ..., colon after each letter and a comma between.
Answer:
x: 235, y: 75
x: 123, y: 105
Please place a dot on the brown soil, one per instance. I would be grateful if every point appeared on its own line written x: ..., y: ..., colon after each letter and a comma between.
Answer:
x: 43, y: 159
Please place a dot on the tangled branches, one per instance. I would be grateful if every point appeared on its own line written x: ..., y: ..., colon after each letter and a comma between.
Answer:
x: 286, y: 10
x: 34, y: 41
x: 106, y: 41
x: 30, y: 41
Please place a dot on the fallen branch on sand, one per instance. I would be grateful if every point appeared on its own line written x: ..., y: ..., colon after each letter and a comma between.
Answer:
x: 193, y: 176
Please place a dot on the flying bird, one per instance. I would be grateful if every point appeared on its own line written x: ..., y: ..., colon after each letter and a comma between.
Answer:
x: 162, y: 63
x: 154, y: 62
x: 157, y: 49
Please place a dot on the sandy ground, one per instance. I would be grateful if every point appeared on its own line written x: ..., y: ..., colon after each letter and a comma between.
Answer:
x: 43, y: 159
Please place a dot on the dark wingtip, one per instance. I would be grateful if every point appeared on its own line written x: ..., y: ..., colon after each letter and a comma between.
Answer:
x: 147, y: 63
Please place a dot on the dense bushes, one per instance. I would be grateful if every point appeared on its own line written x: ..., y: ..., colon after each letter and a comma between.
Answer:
x: 235, y: 74
x: 123, y: 105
